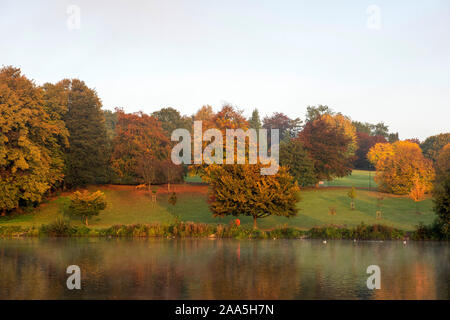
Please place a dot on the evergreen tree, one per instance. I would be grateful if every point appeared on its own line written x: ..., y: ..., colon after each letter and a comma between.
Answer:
x: 86, y: 159
x: 255, y: 121
x: 300, y: 165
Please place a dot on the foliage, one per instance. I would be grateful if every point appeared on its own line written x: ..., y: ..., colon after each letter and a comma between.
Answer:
x: 202, y: 230
x: 171, y: 119
x: 59, y: 228
x: 141, y: 151
x: 360, y: 232
x: 255, y: 121
x: 398, y: 165
x: 289, y: 128
x: 433, y: 145
x: 365, y: 142
x: 417, y: 192
x: 31, y: 137
x: 313, y: 113
x: 296, y: 159
x: 330, y: 140
x: 352, y: 195
x: 86, y: 158
x: 84, y: 205
x: 441, y: 191
x: 242, y: 190
x: 173, y: 199
x: 111, y: 120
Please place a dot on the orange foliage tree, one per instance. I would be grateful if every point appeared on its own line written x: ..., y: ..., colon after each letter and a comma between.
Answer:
x: 331, y: 142
x: 141, y: 150
x: 241, y: 189
x: 399, y: 166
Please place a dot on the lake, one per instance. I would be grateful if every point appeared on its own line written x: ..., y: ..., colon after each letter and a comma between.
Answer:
x: 35, y: 268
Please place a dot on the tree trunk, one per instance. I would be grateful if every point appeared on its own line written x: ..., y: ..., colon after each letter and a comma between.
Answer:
x: 168, y: 186
x: 254, y: 223
x: 86, y: 221
x: 3, y: 212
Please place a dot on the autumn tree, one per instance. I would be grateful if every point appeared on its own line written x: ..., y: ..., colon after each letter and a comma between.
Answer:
x: 365, y: 142
x: 288, y: 128
x: 86, y: 158
x: 299, y: 164
x: 330, y: 141
x: 31, y: 137
x: 433, y: 145
x: 398, y: 165
x: 242, y: 190
x: 417, y: 192
x: 85, y: 205
x: 141, y: 151
x: 352, y: 195
x: 441, y: 191
x: 206, y: 115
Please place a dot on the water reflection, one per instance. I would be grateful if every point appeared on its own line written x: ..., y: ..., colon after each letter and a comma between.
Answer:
x: 221, y: 269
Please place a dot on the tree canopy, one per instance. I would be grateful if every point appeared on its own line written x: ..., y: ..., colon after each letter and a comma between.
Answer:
x: 399, y: 166
x: 31, y: 132
x: 330, y: 141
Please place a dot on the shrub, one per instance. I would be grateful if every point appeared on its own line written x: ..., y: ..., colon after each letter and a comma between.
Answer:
x: 85, y: 205
x: 58, y: 228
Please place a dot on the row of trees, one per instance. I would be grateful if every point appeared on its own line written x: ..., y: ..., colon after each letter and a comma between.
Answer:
x: 57, y: 136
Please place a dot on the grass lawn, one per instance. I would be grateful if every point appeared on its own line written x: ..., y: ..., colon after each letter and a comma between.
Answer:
x: 358, y: 179
x: 126, y: 205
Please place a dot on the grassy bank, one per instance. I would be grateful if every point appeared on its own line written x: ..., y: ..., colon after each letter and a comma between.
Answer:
x: 179, y: 229
x: 128, y: 206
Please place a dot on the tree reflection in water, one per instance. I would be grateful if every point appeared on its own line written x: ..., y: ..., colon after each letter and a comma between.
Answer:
x: 221, y: 269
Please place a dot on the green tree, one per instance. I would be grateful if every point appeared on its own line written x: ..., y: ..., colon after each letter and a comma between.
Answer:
x: 88, y: 151
x: 242, y: 190
x: 433, y: 145
x: 296, y: 159
x: 85, y: 205
x: 441, y: 191
x: 171, y: 119
x: 255, y: 121
x: 312, y: 112
x: 31, y: 135
x: 111, y: 120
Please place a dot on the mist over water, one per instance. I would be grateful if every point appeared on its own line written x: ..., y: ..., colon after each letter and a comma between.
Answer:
x: 221, y: 269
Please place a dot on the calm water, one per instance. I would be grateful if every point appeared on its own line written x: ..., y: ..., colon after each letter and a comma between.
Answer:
x: 222, y: 269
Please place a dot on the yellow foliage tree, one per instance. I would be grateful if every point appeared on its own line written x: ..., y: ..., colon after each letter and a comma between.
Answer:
x: 417, y: 192
x: 31, y: 137
x: 398, y: 165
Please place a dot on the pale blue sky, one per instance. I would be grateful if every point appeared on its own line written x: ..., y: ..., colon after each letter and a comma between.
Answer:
x: 273, y: 55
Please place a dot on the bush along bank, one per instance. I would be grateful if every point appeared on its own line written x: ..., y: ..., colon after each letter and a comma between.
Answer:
x: 63, y: 228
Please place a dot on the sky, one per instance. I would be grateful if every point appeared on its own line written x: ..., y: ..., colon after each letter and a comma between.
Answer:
x: 371, y: 60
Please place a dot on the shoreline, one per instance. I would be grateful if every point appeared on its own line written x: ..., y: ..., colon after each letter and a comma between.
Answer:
x: 181, y: 230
